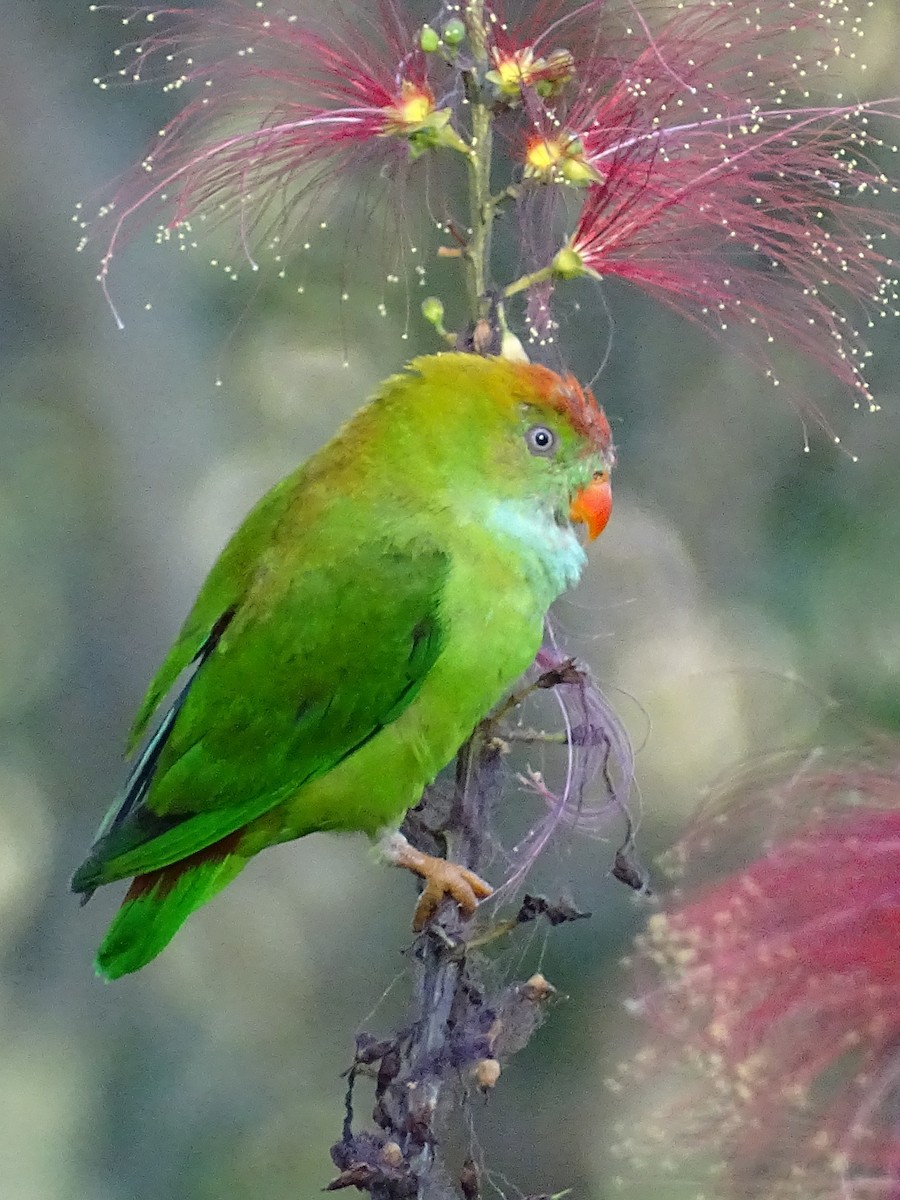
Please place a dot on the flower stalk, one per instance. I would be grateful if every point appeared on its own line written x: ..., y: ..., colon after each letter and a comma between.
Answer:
x: 481, y: 202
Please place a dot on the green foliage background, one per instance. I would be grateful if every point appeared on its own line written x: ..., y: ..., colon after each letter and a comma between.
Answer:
x: 744, y: 593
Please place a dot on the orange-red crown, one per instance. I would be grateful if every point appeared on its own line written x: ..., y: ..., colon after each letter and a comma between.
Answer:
x: 565, y: 395
x: 584, y: 412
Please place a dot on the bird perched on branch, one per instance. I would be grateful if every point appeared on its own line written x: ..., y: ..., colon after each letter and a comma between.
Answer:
x: 370, y: 611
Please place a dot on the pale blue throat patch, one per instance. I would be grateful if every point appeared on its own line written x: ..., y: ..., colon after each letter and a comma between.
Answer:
x: 559, y: 554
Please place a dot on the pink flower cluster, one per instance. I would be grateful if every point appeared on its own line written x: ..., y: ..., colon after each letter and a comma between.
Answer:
x: 707, y: 162
x: 777, y: 991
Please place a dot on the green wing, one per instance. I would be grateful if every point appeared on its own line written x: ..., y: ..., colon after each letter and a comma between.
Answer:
x: 329, y: 644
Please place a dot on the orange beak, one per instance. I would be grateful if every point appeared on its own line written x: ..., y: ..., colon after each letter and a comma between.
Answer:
x: 593, y: 504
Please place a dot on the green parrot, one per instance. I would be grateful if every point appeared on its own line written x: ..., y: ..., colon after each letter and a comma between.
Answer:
x: 372, y: 608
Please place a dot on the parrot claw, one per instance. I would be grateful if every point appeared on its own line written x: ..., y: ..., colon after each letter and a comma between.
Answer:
x: 443, y: 879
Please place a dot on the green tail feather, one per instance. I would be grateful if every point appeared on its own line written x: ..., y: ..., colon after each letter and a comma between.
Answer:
x: 158, y: 904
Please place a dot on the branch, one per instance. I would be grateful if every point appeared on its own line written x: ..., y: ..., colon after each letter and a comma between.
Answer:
x: 457, y: 1034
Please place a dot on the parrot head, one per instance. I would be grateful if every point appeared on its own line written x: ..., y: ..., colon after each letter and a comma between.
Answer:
x: 515, y: 434
x: 571, y: 429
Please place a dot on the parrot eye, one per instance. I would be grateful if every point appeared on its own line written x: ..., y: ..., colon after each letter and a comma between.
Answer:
x: 540, y: 440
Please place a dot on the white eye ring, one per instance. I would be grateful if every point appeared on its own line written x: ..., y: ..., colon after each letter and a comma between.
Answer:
x: 540, y: 440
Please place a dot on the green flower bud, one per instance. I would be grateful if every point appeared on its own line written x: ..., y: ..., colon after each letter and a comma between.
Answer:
x: 578, y: 172
x: 568, y: 263
x: 454, y: 32
x: 429, y: 39
x: 433, y: 311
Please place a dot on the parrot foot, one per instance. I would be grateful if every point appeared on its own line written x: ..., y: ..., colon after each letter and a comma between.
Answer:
x: 443, y: 879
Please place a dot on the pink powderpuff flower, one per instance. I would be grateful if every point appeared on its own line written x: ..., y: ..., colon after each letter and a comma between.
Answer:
x: 778, y: 990
x: 285, y: 114
x: 721, y: 182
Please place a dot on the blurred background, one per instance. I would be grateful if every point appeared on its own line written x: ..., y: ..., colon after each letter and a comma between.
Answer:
x: 745, y: 597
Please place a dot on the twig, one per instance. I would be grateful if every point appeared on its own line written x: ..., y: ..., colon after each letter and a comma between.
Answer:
x: 456, y: 1034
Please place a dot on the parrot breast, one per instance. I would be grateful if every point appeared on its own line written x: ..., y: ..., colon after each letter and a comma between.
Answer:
x: 501, y: 582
